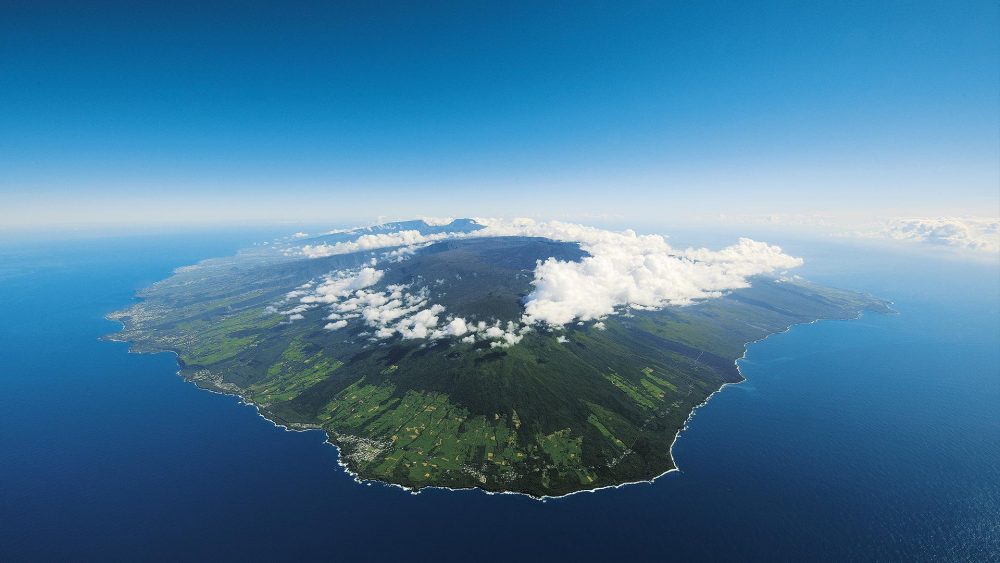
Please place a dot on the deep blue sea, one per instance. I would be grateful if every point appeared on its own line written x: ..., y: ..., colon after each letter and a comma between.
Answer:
x: 874, y: 439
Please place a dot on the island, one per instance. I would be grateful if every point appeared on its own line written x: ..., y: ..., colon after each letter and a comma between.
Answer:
x: 459, y: 354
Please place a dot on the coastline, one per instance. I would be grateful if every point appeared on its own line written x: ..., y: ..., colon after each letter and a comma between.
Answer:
x: 296, y: 427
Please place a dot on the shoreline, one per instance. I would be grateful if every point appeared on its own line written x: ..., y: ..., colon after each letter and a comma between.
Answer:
x: 294, y: 427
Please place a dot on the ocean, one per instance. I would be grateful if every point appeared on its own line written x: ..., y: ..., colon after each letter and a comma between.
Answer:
x: 865, y: 440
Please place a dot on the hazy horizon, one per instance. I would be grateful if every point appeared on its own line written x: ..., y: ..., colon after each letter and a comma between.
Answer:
x: 340, y: 113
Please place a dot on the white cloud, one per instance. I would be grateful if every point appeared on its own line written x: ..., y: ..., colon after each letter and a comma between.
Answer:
x: 340, y: 284
x: 979, y: 234
x: 456, y: 327
x: 507, y: 339
x: 494, y: 332
x: 419, y: 324
x: 392, y: 311
x: 373, y: 242
x: 403, y: 252
x: 644, y: 271
x: 437, y: 221
x: 622, y: 269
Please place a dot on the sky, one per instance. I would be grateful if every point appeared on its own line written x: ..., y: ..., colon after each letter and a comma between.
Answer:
x: 143, y: 113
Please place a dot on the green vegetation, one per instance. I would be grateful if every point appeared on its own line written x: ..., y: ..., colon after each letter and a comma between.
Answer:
x: 292, y: 374
x: 219, y: 339
x: 541, y: 417
x: 638, y: 394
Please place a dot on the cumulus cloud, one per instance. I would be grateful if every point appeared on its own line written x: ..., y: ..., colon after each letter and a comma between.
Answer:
x: 437, y: 221
x: 622, y: 269
x: 399, y: 310
x: 391, y: 311
x: 340, y: 284
x: 332, y: 287
x: 403, y: 252
x: 643, y: 271
x: 456, y: 327
x: 420, y: 324
x: 979, y: 234
x: 373, y: 242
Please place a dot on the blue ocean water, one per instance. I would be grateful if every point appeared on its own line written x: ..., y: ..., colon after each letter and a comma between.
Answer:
x: 874, y: 439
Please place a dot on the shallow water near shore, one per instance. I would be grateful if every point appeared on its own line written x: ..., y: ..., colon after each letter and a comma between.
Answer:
x: 877, y: 438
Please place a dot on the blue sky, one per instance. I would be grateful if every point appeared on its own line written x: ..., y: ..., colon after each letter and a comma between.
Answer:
x: 307, y: 111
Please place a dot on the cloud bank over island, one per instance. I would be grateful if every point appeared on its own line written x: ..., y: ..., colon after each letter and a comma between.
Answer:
x: 409, y: 238
x: 622, y: 269
x: 643, y: 272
